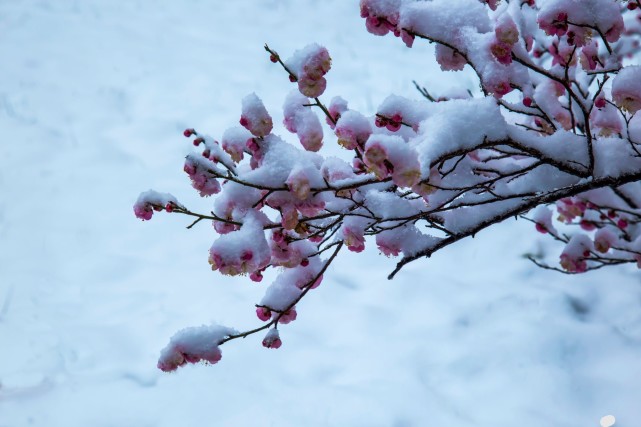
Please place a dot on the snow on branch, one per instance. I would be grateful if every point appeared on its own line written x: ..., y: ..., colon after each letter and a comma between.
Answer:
x: 554, y: 128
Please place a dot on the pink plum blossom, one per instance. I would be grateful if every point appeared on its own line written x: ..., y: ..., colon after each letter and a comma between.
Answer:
x: 272, y: 339
x: 263, y: 313
x: 288, y: 316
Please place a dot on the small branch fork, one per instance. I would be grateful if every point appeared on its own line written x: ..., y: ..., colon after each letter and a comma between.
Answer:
x: 279, y: 313
x: 294, y: 78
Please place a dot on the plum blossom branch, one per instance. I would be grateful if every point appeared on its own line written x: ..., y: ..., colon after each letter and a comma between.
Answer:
x: 419, y: 175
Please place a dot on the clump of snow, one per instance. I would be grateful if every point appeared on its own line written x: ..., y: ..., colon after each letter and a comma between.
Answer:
x: 236, y: 201
x: 243, y: 251
x: 214, y: 152
x: 607, y: 120
x: 192, y: 345
x: 278, y: 160
x: 406, y: 239
x: 557, y: 17
x: 335, y: 170
x: 309, y: 66
x: 352, y: 130
x: 442, y: 20
x: 542, y: 216
x: 337, y: 106
x: 203, y: 173
x: 562, y: 146
x: 457, y: 125
x: 283, y: 291
x: 575, y: 252
x: 614, y: 157
x: 381, y: 16
x: 410, y: 112
x: 386, y: 204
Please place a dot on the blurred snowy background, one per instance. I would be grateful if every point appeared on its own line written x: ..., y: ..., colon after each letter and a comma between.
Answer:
x: 94, y: 95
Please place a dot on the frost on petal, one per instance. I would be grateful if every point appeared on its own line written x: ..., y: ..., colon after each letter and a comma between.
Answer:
x: 381, y: 16
x: 449, y: 59
x: 255, y: 117
x: 151, y: 200
x: 458, y: 125
x: 310, y: 65
x: 575, y: 252
x: 192, y: 345
x: 390, y: 155
x: 626, y: 88
x: 604, y: 238
x: 335, y: 170
x: 282, y: 292
x: 352, y: 130
x: 235, y: 141
x: 337, y: 106
x: 272, y: 339
x: 570, y: 208
x: 375, y: 156
x: 502, y: 52
x: 590, y: 56
x: 542, y: 217
x: 289, y: 254
x: 200, y: 171
x: 506, y: 30
x: 310, y: 131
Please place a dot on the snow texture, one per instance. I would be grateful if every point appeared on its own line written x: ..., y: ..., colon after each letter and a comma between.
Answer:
x: 94, y: 97
x: 626, y: 89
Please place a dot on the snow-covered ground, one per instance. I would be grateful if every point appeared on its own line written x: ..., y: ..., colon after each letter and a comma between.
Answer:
x: 94, y: 95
